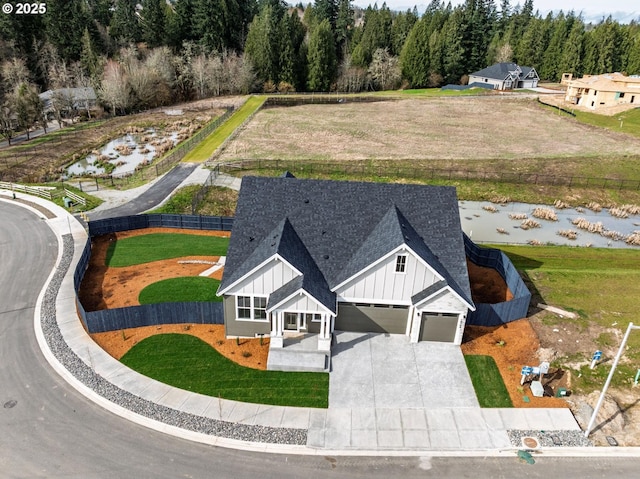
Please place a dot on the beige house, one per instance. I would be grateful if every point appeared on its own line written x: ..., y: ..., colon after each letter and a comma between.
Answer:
x: 604, y: 91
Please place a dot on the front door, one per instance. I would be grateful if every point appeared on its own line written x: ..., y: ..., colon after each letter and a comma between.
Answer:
x: 291, y: 321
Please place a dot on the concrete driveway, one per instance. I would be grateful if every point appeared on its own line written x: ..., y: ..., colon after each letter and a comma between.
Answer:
x: 386, y: 371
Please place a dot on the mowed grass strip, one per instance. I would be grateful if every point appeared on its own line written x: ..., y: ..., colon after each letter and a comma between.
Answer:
x: 487, y: 381
x: 178, y: 290
x: 211, y: 143
x: 158, y: 246
x: 187, y: 362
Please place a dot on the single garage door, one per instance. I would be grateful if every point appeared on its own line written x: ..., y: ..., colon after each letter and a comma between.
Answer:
x: 438, y: 327
x: 371, y: 318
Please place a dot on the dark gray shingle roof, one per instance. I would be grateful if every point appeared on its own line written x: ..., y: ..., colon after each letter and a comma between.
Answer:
x: 498, y: 71
x: 342, y: 225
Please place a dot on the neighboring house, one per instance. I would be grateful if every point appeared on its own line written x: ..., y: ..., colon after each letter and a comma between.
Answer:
x: 506, y: 76
x: 602, y: 91
x: 65, y: 102
x: 316, y: 256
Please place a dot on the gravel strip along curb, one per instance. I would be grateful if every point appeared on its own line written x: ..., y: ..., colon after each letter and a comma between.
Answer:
x: 172, y: 417
x: 550, y: 438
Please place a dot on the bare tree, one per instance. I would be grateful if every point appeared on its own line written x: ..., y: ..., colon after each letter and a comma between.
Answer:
x: 504, y: 54
x: 200, y: 71
x: 14, y: 72
x: 385, y: 70
x: 114, y: 90
x: 7, y: 119
x: 351, y: 79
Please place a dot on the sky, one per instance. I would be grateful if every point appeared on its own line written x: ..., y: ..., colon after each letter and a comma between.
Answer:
x: 592, y: 10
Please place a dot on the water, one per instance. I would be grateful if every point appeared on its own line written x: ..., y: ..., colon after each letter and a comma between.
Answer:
x: 481, y: 225
x: 126, y: 164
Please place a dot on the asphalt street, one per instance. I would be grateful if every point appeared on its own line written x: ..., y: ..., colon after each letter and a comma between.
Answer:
x: 48, y: 430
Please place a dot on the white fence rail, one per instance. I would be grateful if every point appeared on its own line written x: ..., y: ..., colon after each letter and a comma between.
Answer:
x: 32, y: 190
x: 75, y: 197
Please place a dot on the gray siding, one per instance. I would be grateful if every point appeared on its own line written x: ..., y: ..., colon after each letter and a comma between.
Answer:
x: 233, y: 327
x: 368, y: 319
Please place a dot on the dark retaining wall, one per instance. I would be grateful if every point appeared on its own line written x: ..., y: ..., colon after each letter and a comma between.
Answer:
x: 507, y: 311
x: 154, y: 314
x: 150, y: 314
x: 126, y: 223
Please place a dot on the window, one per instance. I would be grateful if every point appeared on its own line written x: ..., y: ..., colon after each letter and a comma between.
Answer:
x: 313, y: 317
x: 401, y: 263
x: 259, y: 308
x: 244, y: 307
x: 252, y: 308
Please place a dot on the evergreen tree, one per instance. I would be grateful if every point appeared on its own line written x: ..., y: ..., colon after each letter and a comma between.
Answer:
x: 326, y: 10
x: 550, y: 68
x: 321, y: 58
x: 65, y: 23
x: 571, y: 60
x: 100, y: 11
x: 344, y: 27
x: 414, y: 59
x: 400, y: 29
x: 182, y: 26
x: 153, y: 22
x: 453, y: 63
x: 124, y: 22
x: 633, y: 53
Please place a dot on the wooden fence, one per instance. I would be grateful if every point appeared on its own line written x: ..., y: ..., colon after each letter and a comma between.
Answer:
x: 43, y: 192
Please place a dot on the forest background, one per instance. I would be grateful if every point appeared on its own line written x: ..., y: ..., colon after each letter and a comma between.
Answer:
x: 140, y: 55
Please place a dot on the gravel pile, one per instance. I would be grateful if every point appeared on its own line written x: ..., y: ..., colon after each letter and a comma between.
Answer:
x: 86, y: 375
x: 550, y: 438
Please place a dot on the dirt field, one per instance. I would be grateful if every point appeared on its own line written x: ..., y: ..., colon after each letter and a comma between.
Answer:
x: 441, y: 128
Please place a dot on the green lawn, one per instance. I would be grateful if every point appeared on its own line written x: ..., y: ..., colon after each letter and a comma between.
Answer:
x: 210, y: 144
x: 487, y: 382
x: 602, y: 286
x: 189, y: 363
x: 177, y: 290
x: 158, y: 246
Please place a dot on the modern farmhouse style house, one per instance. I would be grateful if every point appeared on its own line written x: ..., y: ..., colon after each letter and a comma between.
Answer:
x: 506, y: 76
x: 316, y: 256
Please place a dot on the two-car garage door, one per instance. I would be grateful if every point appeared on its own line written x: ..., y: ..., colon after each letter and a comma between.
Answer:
x: 385, y: 319
x: 371, y: 318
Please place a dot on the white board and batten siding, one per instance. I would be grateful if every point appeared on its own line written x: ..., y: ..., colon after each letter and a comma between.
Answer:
x: 444, y: 302
x: 265, y: 280
x: 381, y: 283
x: 301, y: 303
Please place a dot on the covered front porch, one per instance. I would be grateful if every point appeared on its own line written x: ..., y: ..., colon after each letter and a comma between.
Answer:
x: 287, y: 324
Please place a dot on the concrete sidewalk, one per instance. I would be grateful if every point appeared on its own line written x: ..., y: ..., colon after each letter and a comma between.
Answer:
x: 342, y: 430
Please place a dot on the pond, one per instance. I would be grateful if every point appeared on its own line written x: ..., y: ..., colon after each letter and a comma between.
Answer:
x: 486, y: 222
x: 125, y: 154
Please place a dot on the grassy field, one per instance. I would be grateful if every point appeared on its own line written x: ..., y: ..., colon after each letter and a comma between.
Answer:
x: 189, y: 363
x: 487, y: 382
x: 205, y: 149
x: 603, y: 287
x: 177, y: 290
x: 158, y: 246
x: 218, y: 202
x: 460, y: 129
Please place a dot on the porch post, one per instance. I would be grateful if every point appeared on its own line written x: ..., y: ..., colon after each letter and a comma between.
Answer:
x: 324, y: 339
x: 277, y: 340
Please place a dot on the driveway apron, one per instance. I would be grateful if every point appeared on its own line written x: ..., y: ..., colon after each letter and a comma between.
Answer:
x: 387, y: 371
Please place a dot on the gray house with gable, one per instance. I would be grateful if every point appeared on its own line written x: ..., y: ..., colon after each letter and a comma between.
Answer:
x: 506, y: 76
x: 315, y: 256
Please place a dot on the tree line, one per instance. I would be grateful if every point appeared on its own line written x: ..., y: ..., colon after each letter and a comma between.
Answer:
x: 141, y: 54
